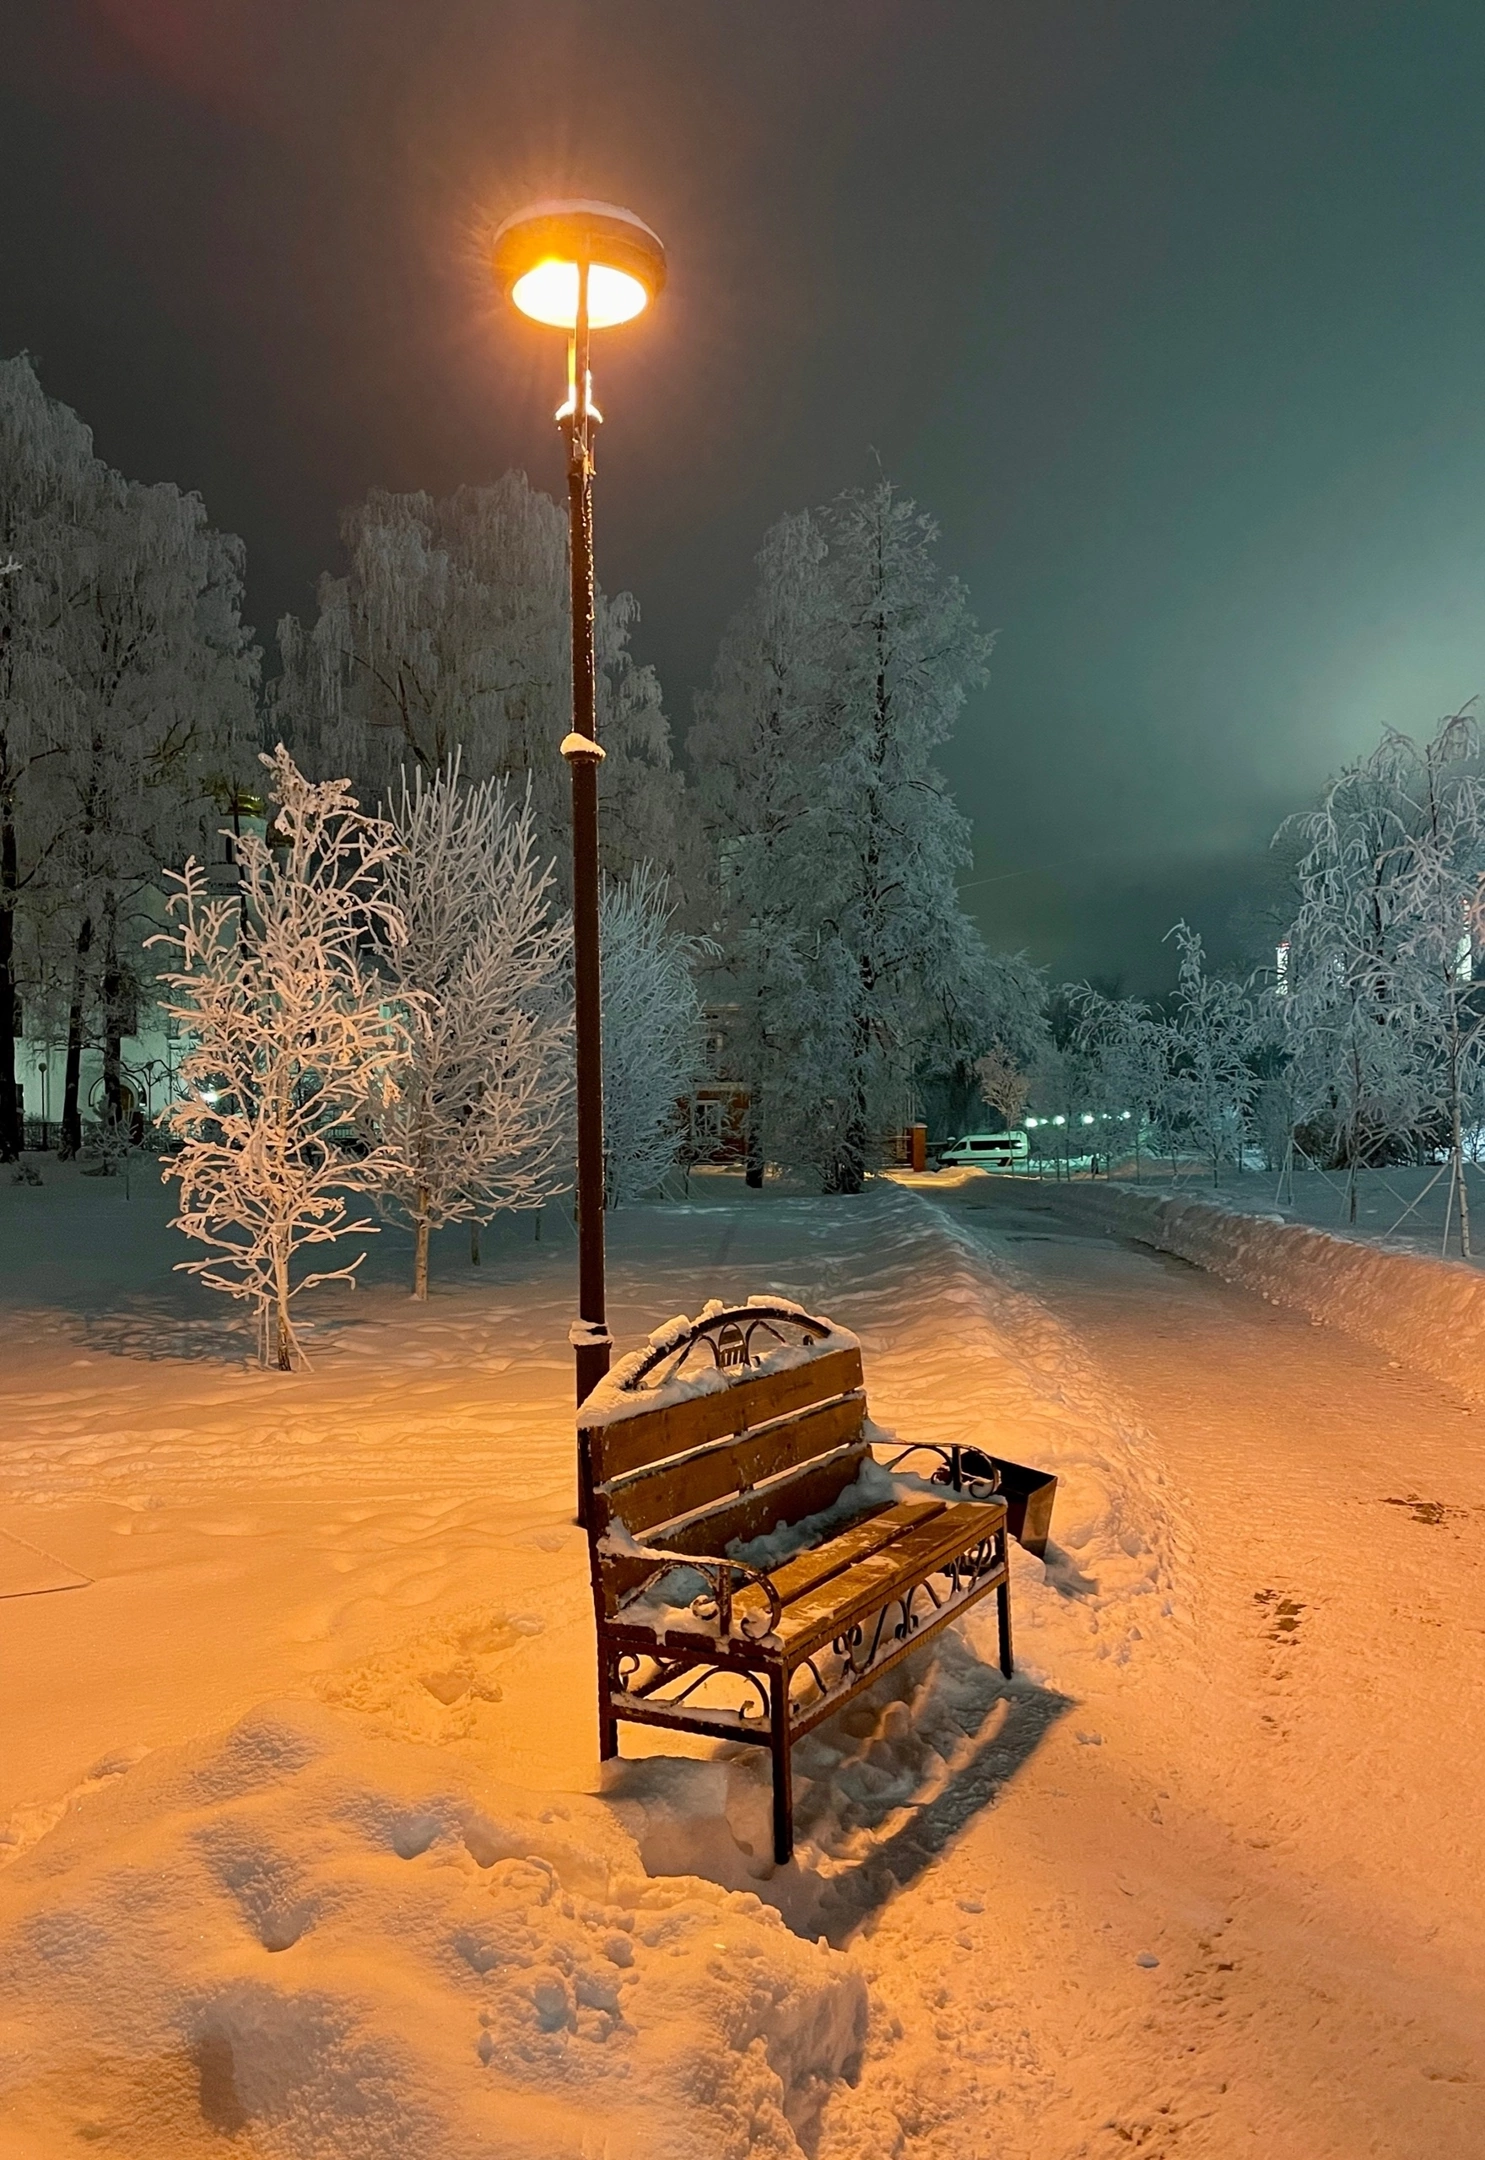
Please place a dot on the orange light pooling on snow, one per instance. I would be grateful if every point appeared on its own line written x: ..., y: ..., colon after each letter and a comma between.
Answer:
x: 548, y: 293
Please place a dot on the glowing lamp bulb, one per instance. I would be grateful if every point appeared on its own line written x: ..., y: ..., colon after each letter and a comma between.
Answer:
x: 549, y: 294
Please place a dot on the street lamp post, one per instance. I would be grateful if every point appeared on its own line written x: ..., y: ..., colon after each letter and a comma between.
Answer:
x: 580, y: 267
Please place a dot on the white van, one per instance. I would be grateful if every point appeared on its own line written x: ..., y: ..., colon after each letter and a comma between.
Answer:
x: 991, y: 1150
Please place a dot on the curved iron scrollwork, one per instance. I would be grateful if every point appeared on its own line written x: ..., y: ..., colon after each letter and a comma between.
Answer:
x: 729, y: 1336
x: 966, y: 1570
x: 722, y: 1574
x: 671, y: 1682
x: 966, y: 1470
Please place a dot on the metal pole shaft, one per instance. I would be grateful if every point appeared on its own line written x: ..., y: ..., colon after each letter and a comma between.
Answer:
x: 592, y: 1344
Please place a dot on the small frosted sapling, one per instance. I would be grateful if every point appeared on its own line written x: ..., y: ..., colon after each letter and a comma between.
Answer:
x: 292, y: 1049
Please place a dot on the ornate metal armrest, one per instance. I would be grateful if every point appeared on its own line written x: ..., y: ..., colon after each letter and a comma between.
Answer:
x: 719, y: 1572
x: 952, y: 1473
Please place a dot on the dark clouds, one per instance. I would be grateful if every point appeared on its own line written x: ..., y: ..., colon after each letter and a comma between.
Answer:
x: 1172, y: 314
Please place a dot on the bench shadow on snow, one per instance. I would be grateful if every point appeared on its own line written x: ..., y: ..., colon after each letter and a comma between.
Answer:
x: 882, y: 1790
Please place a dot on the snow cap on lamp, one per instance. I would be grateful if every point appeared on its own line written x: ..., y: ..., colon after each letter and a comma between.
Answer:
x: 535, y: 255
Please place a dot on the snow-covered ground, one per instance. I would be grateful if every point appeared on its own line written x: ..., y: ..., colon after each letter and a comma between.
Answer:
x: 310, y: 1853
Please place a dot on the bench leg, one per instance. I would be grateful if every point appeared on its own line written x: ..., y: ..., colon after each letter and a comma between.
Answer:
x: 783, y: 1772
x: 1003, y: 1606
x: 608, y: 1724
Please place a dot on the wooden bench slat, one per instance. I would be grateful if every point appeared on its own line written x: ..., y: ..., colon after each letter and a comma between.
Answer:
x: 808, y: 1570
x: 839, y: 1603
x: 813, y: 1489
x: 662, y: 1492
x: 622, y: 1444
x: 829, y: 1587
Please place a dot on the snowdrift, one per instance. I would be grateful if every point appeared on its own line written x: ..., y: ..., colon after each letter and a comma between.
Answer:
x: 339, y: 1944
x: 1426, y: 1313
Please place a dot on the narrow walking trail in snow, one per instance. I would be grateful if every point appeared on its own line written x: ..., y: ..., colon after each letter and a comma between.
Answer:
x: 1245, y: 1880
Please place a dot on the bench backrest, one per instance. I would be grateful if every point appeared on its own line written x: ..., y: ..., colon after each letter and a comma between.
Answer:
x: 753, y: 1446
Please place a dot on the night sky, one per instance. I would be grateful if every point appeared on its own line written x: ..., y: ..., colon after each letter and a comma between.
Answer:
x: 1173, y: 314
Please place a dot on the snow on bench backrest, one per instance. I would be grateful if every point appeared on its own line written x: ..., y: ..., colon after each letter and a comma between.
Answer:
x: 671, y: 1431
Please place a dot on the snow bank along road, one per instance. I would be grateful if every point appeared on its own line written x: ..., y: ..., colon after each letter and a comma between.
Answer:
x: 309, y: 1854
x: 1416, y: 1307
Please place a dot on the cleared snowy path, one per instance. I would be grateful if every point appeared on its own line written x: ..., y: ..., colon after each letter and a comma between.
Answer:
x: 1269, y: 1820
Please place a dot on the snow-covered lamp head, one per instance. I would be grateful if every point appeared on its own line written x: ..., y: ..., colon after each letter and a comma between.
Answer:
x: 537, y: 254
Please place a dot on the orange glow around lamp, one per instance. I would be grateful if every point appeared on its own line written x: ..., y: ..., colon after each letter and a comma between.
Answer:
x: 582, y: 266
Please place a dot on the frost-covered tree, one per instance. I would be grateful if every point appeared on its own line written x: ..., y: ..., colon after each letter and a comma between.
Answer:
x: 1356, y: 1075
x: 1437, y: 870
x: 836, y: 836
x: 652, y: 1034
x: 451, y: 631
x: 292, y: 1048
x: 1128, y: 1050
x: 904, y: 653
x: 1003, y: 1087
x: 482, y: 1102
x: 1212, y: 1042
x: 48, y: 477
x: 982, y: 1028
x: 160, y: 676
x: 754, y: 749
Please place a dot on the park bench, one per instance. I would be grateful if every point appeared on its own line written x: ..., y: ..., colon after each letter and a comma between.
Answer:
x: 746, y: 1424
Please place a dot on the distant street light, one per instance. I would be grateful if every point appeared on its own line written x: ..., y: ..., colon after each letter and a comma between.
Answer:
x: 582, y: 266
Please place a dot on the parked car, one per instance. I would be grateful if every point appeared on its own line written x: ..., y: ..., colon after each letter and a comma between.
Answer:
x: 990, y: 1150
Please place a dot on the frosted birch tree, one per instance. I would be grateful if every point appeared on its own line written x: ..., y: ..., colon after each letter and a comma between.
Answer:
x: 291, y: 1048
x: 1129, y: 1050
x: 1357, y: 1073
x: 653, y: 1034
x: 450, y: 630
x: 982, y: 1025
x: 1437, y: 870
x: 482, y: 1106
x: 1212, y: 1044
